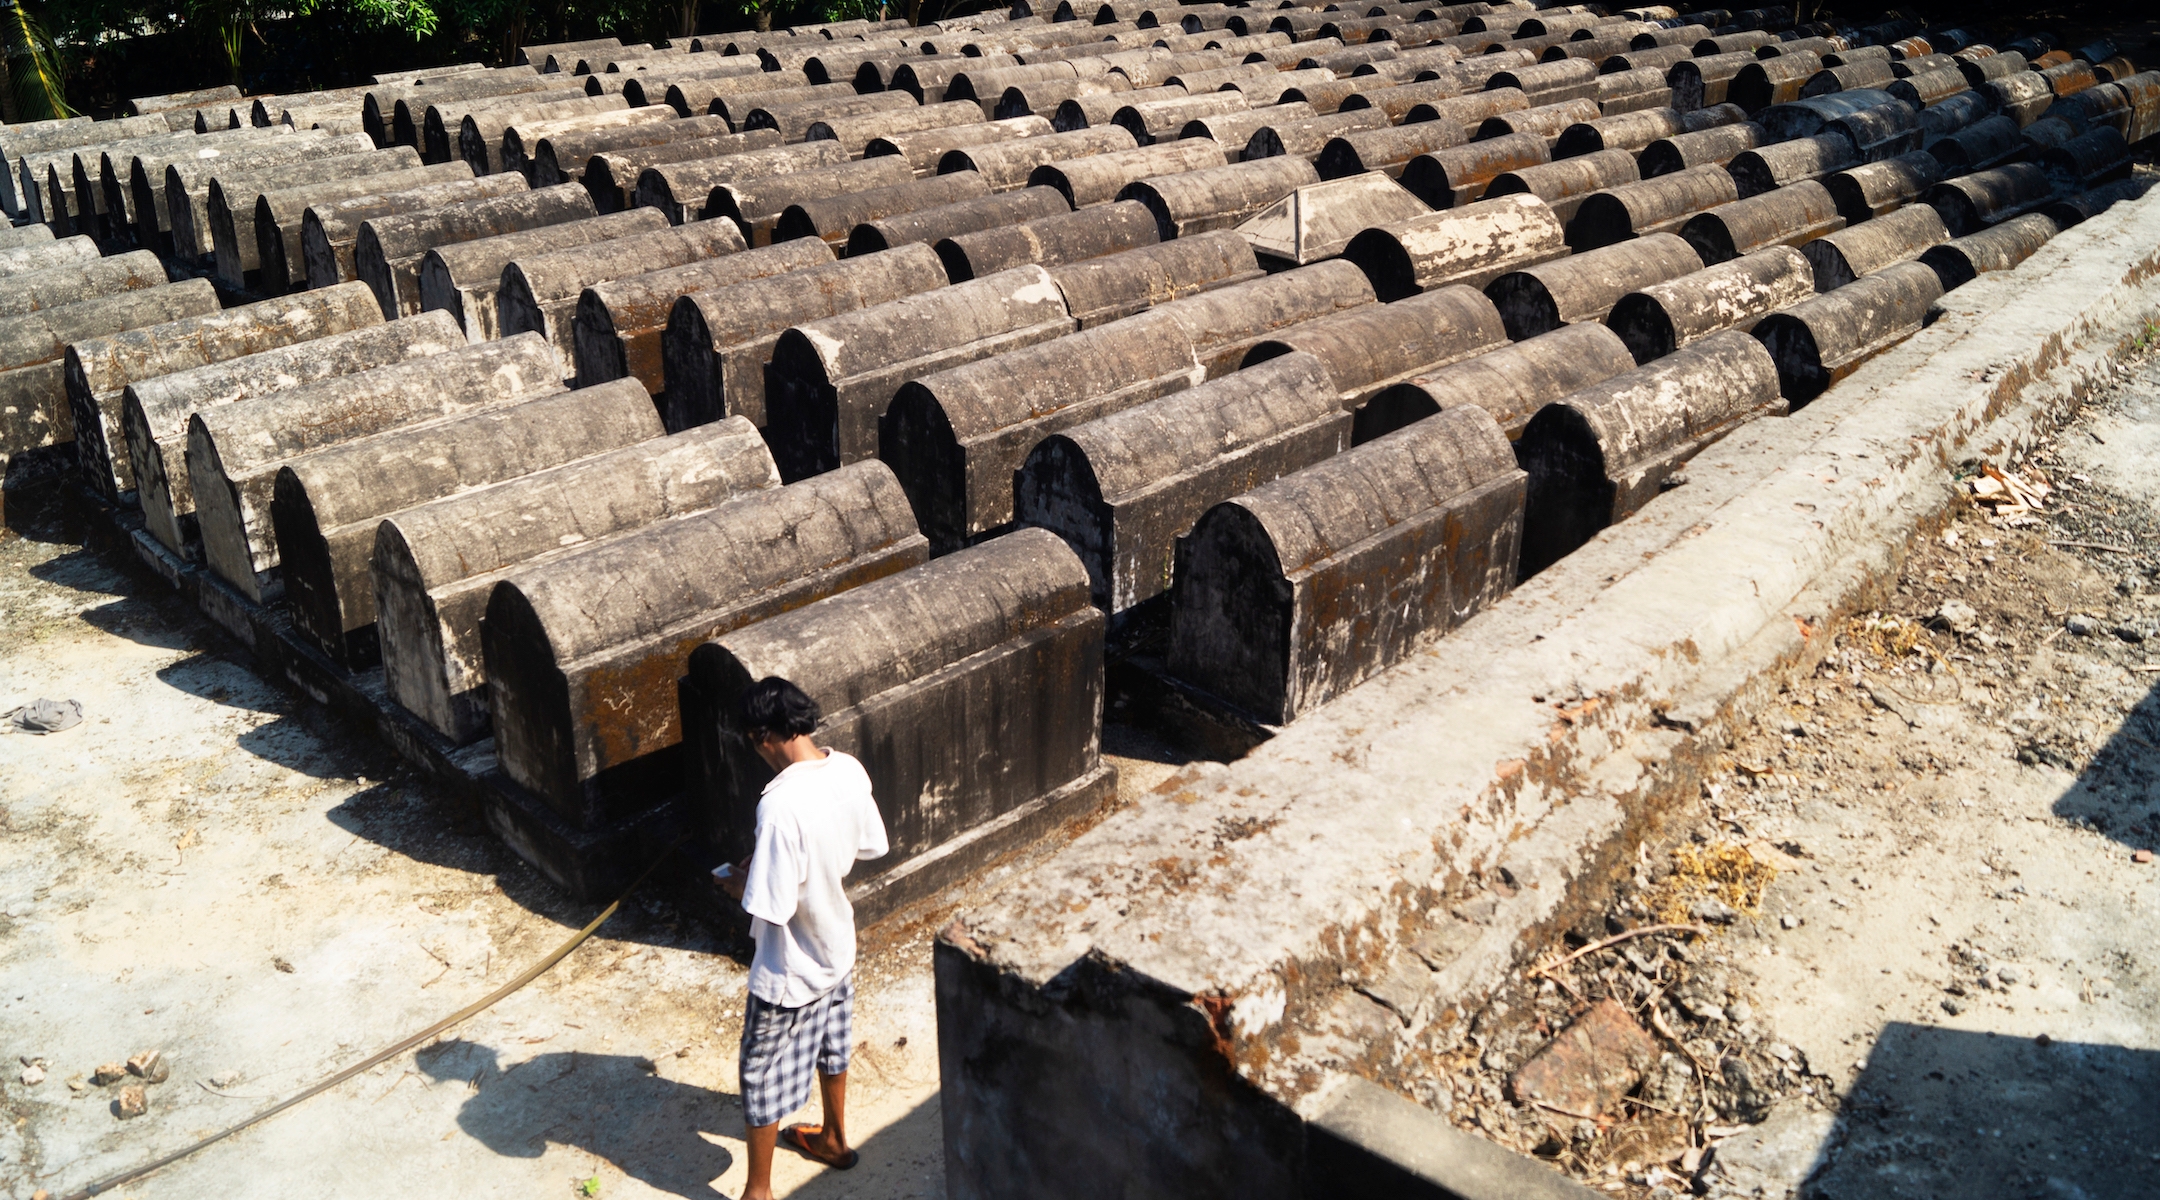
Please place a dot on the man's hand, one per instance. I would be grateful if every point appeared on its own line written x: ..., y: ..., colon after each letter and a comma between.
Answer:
x: 732, y: 883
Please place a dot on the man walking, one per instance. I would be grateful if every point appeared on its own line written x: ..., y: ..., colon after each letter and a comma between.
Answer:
x: 814, y: 821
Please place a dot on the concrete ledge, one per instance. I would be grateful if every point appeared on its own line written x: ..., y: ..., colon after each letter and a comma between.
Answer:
x: 1365, y: 1140
x: 1488, y: 792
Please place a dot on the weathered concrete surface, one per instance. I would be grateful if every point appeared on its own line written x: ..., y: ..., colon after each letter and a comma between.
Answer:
x: 539, y: 293
x: 1390, y: 147
x: 833, y: 218
x: 1583, y: 287
x: 1793, y: 215
x: 1596, y: 456
x: 1100, y: 178
x: 1821, y: 340
x: 232, y: 204
x: 325, y: 506
x: 443, y: 125
x: 1781, y: 164
x: 1371, y: 347
x: 441, y: 122
x: 718, y: 340
x: 619, y: 324
x: 1123, y: 488
x: 1103, y: 288
x: 954, y: 437
x: 330, y: 233
x: 683, y: 187
x: 1958, y: 261
x: 1008, y: 165
x: 999, y: 641
x: 99, y: 370
x: 937, y: 225
x: 71, y: 283
x: 434, y: 566
x: 582, y: 682
x: 924, y: 149
x: 1198, y: 201
x: 1716, y: 145
x: 280, y: 263
x: 608, y: 161
x: 1649, y: 206
x: 756, y: 201
x: 1295, y: 592
x: 388, y: 250
x: 234, y: 451
x: 1512, y: 383
x: 154, y: 413
x: 186, y: 210
x: 831, y: 379
x: 1149, y: 939
x: 1660, y: 318
x: 46, y: 253
x: 1968, y: 203
x: 1846, y: 255
x: 34, y: 410
x: 1471, y: 245
x: 465, y: 279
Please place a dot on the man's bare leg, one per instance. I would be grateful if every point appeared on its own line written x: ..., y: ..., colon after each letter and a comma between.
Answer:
x: 830, y: 1141
x: 762, y: 1139
x: 826, y: 1143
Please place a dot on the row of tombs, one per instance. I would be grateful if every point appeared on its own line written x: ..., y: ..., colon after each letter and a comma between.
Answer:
x: 936, y: 367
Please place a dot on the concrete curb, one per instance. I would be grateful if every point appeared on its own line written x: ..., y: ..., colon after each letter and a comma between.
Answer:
x: 1507, y: 775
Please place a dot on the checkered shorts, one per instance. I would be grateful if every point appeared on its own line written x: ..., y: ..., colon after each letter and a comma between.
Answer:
x: 780, y: 1046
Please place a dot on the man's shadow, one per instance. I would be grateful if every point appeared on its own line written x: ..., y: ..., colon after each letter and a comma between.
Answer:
x: 604, y: 1104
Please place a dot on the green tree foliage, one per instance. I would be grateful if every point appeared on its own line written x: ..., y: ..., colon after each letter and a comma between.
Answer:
x: 36, y: 75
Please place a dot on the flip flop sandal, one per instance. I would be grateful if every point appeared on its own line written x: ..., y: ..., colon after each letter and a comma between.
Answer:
x: 793, y: 1138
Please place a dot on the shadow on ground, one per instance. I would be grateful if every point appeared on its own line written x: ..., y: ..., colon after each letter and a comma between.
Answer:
x: 605, y: 1105
x: 1983, y: 1116
x: 2114, y: 793
x: 609, y: 1106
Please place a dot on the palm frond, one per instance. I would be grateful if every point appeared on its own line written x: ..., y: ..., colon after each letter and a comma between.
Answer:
x: 34, y: 67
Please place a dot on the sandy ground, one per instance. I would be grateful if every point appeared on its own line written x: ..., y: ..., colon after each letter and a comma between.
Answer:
x: 1942, y: 979
x: 209, y: 868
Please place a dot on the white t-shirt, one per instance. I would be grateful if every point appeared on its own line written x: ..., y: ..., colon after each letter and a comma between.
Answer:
x: 814, y: 821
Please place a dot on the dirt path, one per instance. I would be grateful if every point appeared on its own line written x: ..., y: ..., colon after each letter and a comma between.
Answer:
x: 1932, y: 972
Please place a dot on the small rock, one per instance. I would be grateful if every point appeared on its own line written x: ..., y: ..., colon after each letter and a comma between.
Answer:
x: 2141, y: 856
x: 109, y: 1073
x: 2043, y: 1041
x: 1953, y: 1006
x: 1738, y: 1012
x: 76, y: 1084
x: 2130, y: 633
x: 1956, y: 616
x: 1788, y: 921
x: 150, y: 1067
x: 280, y: 963
x: 224, y: 1079
x: 1590, y: 1065
x: 1774, y: 1158
x: 33, y: 1076
x: 1713, y: 911
x: 2080, y: 625
x: 133, y: 1102
x: 2008, y: 974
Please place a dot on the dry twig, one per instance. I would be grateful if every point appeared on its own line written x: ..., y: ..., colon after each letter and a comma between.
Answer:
x: 1594, y: 947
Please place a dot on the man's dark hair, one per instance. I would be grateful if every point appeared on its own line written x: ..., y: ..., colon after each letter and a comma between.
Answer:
x: 773, y: 706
